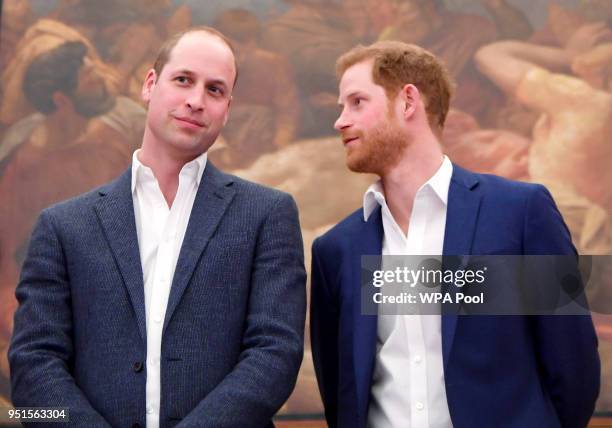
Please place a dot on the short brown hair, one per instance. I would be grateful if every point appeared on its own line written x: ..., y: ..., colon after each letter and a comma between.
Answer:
x: 164, y: 52
x: 397, y: 64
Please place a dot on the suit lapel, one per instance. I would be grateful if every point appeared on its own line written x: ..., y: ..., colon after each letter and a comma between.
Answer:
x: 366, y: 241
x: 461, y: 218
x: 212, y: 199
x: 115, y: 209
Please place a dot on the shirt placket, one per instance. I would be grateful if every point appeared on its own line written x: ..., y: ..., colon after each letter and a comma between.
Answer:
x: 160, y: 284
x: 413, y: 323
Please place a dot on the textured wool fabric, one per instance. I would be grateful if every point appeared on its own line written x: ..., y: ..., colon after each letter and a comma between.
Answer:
x: 233, y: 332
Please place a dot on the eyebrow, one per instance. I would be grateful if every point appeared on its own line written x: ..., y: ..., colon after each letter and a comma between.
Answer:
x: 350, y: 95
x: 219, y: 82
x: 184, y: 71
x: 190, y: 73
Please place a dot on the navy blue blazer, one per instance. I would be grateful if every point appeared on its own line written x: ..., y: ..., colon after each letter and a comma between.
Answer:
x: 233, y: 331
x: 499, y: 371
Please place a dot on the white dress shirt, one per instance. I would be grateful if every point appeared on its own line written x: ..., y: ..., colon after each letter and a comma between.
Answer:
x: 408, y: 388
x: 160, y: 232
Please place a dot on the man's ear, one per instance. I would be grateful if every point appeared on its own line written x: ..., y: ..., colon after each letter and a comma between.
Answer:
x: 148, y: 85
x: 410, y: 97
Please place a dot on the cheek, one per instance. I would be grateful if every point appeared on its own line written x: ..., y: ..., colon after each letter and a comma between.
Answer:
x: 218, y: 111
x: 166, y: 99
x: 372, y: 117
x: 173, y: 100
x: 158, y: 110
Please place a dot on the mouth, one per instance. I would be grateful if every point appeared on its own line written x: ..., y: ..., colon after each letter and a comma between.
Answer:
x: 348, y: 140
x: 190, y: 122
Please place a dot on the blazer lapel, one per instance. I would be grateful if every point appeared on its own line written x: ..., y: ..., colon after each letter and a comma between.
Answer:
x: 366, y: 241
x: 115, y: 209
x: 461, y: 218
x: 212, y: 199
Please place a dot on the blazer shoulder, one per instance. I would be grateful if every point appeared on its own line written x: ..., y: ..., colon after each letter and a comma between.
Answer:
x: 256, y: 193
x: 506, y: 191
x: 76, y: 205
x: 495, y: 182
x: 342, y: 230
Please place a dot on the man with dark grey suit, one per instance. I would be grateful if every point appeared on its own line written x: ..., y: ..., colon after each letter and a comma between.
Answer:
x: 175, y: 295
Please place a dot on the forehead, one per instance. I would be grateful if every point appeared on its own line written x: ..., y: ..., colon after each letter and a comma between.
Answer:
x: 202, y: 53
x: 358, y: 78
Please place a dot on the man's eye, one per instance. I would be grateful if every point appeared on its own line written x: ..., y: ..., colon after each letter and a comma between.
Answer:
x: 357, y: 101
x: 215, y: 90
x: 182, y: 79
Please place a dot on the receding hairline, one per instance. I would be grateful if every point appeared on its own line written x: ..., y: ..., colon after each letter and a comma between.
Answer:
x: 165, y: 51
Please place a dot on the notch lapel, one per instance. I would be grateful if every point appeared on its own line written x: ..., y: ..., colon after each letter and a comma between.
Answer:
x: 115, y: 209
x: 213, y: 197
x: 366, y: 241
x: 461, y: 218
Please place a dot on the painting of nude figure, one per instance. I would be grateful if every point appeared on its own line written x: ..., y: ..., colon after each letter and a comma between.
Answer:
x: 533, y: 102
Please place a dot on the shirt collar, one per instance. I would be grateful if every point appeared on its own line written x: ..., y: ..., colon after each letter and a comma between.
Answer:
x: 138, y: 168
x: 439, y: 183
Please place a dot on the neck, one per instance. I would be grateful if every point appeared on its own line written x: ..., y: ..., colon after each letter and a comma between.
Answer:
x: 63, y: 127
x: 419, y: 162
x: 165, y: 165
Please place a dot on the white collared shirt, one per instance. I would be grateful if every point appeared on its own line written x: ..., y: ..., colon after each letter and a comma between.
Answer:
x: 408, y: 388
x: 160, y: 232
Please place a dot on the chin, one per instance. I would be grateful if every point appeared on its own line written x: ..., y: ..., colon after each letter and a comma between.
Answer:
x: 359, y: 165
x: 187, y: 146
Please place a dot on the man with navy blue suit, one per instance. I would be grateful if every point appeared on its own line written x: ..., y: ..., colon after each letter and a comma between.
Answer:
x: 436, y: 370
x: 175, y: 295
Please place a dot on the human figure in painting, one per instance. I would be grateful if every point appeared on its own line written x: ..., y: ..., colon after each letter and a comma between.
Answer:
x: 570, y: 150
x: 125, y: 32
x: 80, y: 137
x: 311, y: 34
x: 266, y: 107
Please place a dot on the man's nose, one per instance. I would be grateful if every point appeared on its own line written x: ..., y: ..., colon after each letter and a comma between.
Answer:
x: 341, y: 122
x: 195, y: 100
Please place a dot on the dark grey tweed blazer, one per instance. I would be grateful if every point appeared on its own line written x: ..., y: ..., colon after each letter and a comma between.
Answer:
x: 233, y: 332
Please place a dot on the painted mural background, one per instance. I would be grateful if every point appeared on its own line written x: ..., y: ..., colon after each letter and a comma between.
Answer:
x: 552, y: 124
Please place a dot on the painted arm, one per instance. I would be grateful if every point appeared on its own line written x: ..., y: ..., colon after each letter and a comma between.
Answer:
x: 507, y: 62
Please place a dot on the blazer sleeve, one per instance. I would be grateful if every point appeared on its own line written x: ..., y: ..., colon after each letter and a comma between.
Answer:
x: 273, y: 340
x: 41, y: 350
x: 324, y: 322
x: 567, y: 344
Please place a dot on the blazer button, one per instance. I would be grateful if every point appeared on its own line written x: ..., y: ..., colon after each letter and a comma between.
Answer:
x: 137, y: 366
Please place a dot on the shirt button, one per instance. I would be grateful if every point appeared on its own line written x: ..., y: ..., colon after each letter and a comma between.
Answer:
x: 417, y: 359
x: 420, y: 406
x: 149, y: 410
x: 158, y: 319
